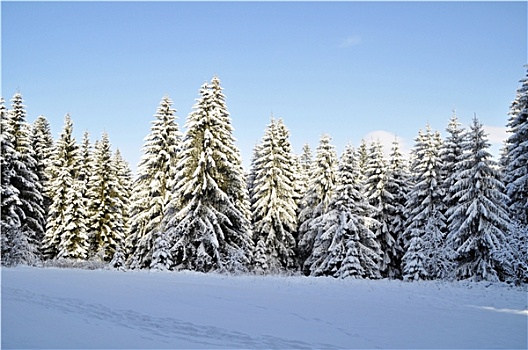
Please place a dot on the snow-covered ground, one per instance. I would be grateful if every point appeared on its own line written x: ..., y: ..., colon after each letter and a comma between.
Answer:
x: 67, y: 308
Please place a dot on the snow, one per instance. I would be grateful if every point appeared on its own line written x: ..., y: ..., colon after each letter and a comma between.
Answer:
x: 69, y: 308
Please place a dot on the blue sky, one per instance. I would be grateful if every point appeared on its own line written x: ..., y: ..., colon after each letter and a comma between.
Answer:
x: 349, y: 69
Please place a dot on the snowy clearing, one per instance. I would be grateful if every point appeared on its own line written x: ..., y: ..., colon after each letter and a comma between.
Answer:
x: 67, y: 308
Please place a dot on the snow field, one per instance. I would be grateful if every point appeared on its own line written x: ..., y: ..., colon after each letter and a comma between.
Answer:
x: 67, y: 308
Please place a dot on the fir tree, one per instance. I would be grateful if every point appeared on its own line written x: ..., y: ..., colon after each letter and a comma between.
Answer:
x: 479, y: 221
x: 27, y: 237
x: 106, y: 229
x: 42, y: 143
x: 273, y: 197
x: 450, y: 155
x: 207, y: 218
x: 397, y: 185
x: 345, y: 246
x: 376, y: 183
x: 317, y: 198
x: 152, y: 186
x: 12, y: 214
x: 66, y: 234
x: 516, y: 167
x: 425, y: 255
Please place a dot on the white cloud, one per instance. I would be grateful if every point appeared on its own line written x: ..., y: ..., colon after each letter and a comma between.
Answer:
x: 350, y: 41
x: 387, y: 138
x: 496, y: 134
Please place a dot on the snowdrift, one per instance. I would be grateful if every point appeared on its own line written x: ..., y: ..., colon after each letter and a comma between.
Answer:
x: 69, y: 308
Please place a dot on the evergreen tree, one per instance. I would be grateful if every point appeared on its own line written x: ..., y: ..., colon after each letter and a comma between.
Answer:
x: 66, y: 234
x: 305, y: 166
x: 273, y: 197
x: 106, y: 228
x: 42, y: 143
x: 516, y: 169
x: 425, y: 255
x: 397, y: 185
x: 12, y: 214
x: 206, y: 218
x: 317, y: 198
x: 152, y: 186
x: 25, y: 239
x: 450, y: 155
x: 363, y: 155
x: 479, y: 221
x: 376, y: 183
x: 345, y: 246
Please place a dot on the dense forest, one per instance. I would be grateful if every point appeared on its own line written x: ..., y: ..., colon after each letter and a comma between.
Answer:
x: 448, y: 211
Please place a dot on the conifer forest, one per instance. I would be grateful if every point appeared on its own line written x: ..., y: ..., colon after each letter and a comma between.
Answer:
x: 447, y: 211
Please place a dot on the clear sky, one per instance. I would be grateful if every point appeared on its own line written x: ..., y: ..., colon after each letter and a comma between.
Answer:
x: 349, y: 69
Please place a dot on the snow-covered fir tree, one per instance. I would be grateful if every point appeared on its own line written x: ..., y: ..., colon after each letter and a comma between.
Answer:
x: 516, y: 163
x: 425, y: 256
x: 304, y: 170
x: 152, y: 186
x: 105, y: 224
x: 376, y: 183
x: 66, y: 235
x: 479, y: 222
x: 12, y: 214
x: 363, y: 154
x: 42, y: 143
x: 345, y: 245
x: 397, y: 185
x: 273, y: 197
x: 24, y: 242
x: 207, y: 217
x: 450, y: 155
x: 315, y: 202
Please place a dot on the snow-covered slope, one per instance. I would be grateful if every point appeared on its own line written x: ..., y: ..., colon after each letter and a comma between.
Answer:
x: 66, y: 308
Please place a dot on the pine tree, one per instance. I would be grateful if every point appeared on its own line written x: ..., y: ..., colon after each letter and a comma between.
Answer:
x: 152, y: 186
x: 425, y: 255
x: 106, y: 229
x: 516, y: 169
x: 345, y: 246
x: 26, y: 239
x: 397, y: 185
x: 207, y: 218
x: 479, y: 221
x: 273, y: 198
x: 317, y: 197
x: 66, y: 235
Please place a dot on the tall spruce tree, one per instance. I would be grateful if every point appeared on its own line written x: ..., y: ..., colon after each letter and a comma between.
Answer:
x: 376, y: 183
x: 42, y: 143
x: 273, y: 198
x: 207, y: 218
x: 12, y: 214
x: 397, y: 185
x: 516, y: 169
x: 66, y: 235
x: 480, y: 220
x: 345, y: 246
x: 425, y: 256
x: 152, y: 186
x: 450, y: 155
x: 26, y: 239
x: 105, y: 225
x: 317, y: 198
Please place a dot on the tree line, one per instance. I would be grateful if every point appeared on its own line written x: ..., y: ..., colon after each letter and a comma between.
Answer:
x: 448, y: 211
